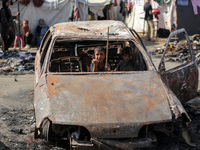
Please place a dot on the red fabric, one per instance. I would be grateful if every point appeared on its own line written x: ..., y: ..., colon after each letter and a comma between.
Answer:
x: 157, y: 11
x: 25, y: 2
x: 116, y: 4
x: 26, y: 29
x: 38, y: 3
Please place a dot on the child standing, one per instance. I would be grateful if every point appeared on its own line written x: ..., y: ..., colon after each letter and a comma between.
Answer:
x: 17, y: 30
x: 27, y: 34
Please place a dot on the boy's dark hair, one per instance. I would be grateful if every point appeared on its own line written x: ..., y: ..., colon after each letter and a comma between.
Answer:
x: 127, y: 50
x: 99, y: 48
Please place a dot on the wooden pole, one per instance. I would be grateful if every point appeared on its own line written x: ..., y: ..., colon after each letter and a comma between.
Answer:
x: 107, y: 49
x: 176, y: 24
x: 19, y: 26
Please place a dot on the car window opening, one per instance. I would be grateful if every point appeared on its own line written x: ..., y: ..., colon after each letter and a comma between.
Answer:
x: 81, y: 56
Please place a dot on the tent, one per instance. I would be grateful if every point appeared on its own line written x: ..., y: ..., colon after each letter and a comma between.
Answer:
x: 50, y: 11
x: 95, y: 6
x: 135, y: 19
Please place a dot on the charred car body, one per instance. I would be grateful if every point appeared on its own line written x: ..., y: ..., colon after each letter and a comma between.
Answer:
x: 112, y: 109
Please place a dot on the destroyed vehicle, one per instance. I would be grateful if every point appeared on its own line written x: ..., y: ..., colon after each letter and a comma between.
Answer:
x: 106, y: 109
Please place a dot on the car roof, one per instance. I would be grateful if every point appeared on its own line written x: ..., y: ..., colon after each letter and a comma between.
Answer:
x: 92, y: 30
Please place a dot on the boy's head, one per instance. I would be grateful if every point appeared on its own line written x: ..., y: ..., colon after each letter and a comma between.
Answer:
x: 25, y: 23
x: 126, y: 54
x: 99, y: 53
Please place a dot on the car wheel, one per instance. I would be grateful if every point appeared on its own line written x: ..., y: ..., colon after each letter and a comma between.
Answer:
x: 44, y: 129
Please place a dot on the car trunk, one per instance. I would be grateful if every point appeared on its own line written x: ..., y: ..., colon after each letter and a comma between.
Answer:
x: 108, y: 105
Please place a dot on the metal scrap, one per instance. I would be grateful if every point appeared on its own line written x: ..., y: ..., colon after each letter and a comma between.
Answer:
x: 13, y: 61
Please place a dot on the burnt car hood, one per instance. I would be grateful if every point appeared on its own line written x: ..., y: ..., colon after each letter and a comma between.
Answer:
x: 111, y: 105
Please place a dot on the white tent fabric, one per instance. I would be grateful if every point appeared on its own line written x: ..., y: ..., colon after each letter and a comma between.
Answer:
x: 129, y: 21
x: 50, y: 12
x: 96, y: 3
x: 95, y: 6
x: 166, y: 18
x: 167, y: 14
x: 139, y: 16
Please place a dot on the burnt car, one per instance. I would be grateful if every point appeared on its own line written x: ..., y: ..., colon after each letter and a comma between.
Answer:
x: 107, y: 109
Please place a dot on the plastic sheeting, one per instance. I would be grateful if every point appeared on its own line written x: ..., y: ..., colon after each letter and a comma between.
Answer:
x: 139, y: 16
x: 129, y: 21
x: 46, y: 11
x: 166, y: 18
x: 95, y: 6
x: 167, y: 14
x: 96, y: 3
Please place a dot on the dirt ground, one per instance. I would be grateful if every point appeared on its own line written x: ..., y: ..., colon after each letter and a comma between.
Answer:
x: 17, y: 115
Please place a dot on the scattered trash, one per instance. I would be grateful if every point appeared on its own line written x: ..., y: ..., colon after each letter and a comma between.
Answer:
x: 178, y: 51
x: 13, y: 61
x: 17, y: 130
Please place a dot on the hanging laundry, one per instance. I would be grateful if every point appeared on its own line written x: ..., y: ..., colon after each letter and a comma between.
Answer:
x: 140, y: 2
x: 122, y: 8
x: 195, y: 3
x: 157, y: 11
x: 158, y: 1
x: 116, y: 4
x: 165, y: 2
x: 76, y: 11
x: 24, y: 2
x: 55, y: 2
x: 128, y: 5
x: 38, y: 3
x: 183, y: 2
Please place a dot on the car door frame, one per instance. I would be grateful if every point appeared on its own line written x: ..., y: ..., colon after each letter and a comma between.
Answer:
x: 183, y: 79
x: 38, y: 67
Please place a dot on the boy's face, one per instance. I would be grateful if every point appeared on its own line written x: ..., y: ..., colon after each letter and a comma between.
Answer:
x: 99, y: 55
x: 25, y: 24
x: 127, y: 57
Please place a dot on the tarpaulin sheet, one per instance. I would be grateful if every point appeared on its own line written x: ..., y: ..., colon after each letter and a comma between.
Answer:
x: 97, y: 3
x: 95, y: 6
x: 139, y: 16
x: 52, y: 13
x: 167, y: 14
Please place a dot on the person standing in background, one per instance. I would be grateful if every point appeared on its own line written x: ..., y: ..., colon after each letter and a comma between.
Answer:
x: 7, y: 27
x: 18, y: 28
x: 149, y: 20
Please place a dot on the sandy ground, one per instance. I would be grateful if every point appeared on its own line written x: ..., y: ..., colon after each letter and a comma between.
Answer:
x: 17, y: 115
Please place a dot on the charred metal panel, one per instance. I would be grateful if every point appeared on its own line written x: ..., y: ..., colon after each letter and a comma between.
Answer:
x: 109, y: 105
x: 92, y: 30
x: 183, y: 81
x: 41, y: 101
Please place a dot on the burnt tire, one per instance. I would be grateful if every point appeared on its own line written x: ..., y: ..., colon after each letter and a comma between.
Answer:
x: 44, y: 129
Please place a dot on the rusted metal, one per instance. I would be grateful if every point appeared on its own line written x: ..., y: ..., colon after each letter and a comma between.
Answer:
x: 142, y: 143
x: 100, y: 145
x: 92, y: 30
x: 120, y: 97
x: 107, y: 105
x: 182, y: 80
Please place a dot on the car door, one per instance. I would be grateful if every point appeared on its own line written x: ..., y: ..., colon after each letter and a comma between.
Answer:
x: 40, y: 56
x: 182, y: 79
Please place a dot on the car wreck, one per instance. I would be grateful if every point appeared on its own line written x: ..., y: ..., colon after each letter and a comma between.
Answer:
x: 107, y: 109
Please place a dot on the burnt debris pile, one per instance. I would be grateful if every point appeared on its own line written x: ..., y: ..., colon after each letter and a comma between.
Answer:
x: 179, y: 51
x: 17, y: 62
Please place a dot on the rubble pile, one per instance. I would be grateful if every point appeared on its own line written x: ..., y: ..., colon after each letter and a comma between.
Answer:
x: 178, y: 51
x: 14, y: 61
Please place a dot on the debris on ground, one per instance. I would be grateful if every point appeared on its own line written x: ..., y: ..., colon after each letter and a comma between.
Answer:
x: 15, y: 62
x: 178, y: 51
